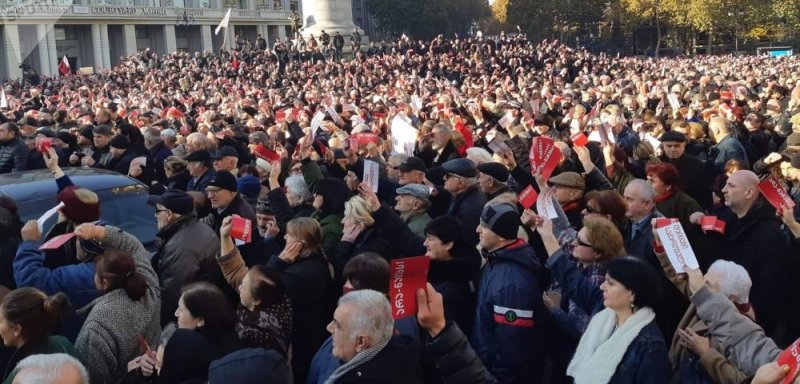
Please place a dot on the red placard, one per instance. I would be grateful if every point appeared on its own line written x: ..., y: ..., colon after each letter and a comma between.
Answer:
x: 407, y: 276
x: 280, y: 116
x: 56, y: 242
x: 664, y: 221
x: 43, y: 144
x: 365, y: 138
x: 791, y: 357
x: 265, y: 153
x: 241, y: 229
x: 711, y: 223
x: 528, y: 197
x: 579, y: 139
x: 775, y: 193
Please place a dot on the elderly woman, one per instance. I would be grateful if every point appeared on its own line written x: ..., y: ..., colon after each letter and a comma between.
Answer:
x: 622, y: 343
x: 671, y: 201
x: 360, y: 235
x: 694, y: 358
x: 177, y: 172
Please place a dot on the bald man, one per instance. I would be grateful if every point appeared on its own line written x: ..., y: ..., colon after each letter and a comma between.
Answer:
x: 728, y: 147
x: 752, y: 239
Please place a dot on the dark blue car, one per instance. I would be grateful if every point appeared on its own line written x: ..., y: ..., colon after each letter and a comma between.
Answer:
x: 123, y: 200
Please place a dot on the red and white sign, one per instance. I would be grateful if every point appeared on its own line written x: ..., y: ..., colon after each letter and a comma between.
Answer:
x: 791, y: 357
x: 43, y: 144
x: 579, y: 140
x: 63, y: 66
x: 241, y: 229
x: 56, y: 242
x: 371, y: 174
x: 676, y: 244
x: 407, y: 276
x: 528, y: 197
x: 544, y: 154
x: 712, y: 223
x: 545, y: 206
x: 775, y: 193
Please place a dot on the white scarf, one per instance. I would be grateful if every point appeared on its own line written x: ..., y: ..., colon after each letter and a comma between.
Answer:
x: 601, y: 347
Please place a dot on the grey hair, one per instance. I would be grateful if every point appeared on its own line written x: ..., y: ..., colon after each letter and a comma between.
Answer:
x: 46, y: 369
x: 481, y: 155
x: 372, y: 315
x: 399, y: 157
x: 734, y: 280
x: 152, y: 135
x: 297, y: 185
x: 646, y: 191
x: 566, y: 151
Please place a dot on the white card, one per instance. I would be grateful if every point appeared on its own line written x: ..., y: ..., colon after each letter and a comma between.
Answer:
x: 544, y: 205
x: 677, y: 247
x: 47, y: 215
x: 371, y: 174
x: 315, y: 122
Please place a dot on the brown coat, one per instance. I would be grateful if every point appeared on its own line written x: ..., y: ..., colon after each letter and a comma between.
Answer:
x: 713, y: 361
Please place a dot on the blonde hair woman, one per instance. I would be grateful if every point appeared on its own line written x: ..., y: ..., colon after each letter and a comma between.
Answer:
x: 360, y: 235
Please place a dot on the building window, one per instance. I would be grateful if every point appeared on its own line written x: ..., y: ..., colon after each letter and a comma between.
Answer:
x: 294, y: 6
x: 277, y: 5
x: 142, y: 32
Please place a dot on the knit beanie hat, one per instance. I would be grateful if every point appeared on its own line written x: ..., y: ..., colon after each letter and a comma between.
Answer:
x: 446, y: 228
x: 248, y: 186
x: 76, y: 210
x: 502, y: 219
x: 637, y: 276
x: 120, y: 142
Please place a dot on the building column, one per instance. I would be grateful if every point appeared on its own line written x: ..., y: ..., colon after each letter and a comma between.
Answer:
x: 52, y: 49
x: 13, y: 52
x: 129, y: 39
x: 263, y: 29
x: 44, y: 53
x: 170, y: 43
x: 230, y: 41
x: 205, y: 34
x: 105, y: 45
x: 97, y: 47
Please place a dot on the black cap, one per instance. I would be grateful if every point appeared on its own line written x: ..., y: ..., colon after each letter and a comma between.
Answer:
x: 87, y: 132
x: 673, y: 136
x: 120, y: 141
x: 28, y: 120
x: 460, y: 167
x: 175, y: 200
x: 201, y: 155
x: 103, y: 130
x: 497, y: 171
x: 224, y: 180
x: 46, y: 132
x: 225, y: 152
x: 412, y: 164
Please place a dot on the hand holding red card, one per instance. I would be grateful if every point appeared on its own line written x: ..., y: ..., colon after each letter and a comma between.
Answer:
x: 43, y: 144
x: 528, y: 197
x: 790, y: 357
x: 56, y: 242
x: 579, y: 139
x: 407, y: 276
x: 712, y: 223
x: 241, y: 229
x: 775, y: 193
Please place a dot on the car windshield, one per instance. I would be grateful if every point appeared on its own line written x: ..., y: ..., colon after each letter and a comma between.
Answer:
x: 125, y: 208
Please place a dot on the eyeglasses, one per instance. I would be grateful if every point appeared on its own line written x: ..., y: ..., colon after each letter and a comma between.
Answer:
x: 582, y: 243
x: 450, y: 175
x: 161, y: 210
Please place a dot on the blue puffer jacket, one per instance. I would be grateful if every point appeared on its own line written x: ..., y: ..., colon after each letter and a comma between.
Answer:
x: 76, y: 281
x: 512, y: 327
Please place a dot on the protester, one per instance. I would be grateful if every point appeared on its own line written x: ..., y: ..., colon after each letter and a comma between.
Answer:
x: 671, y: 201
x: 51, y: 368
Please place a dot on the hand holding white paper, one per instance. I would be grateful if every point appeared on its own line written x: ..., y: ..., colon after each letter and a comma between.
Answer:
x: 47, y: 215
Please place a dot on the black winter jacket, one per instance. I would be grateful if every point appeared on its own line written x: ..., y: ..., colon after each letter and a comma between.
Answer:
x: 13, y: 156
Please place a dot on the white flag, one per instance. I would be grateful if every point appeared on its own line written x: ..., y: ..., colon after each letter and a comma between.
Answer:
x: 224, y: 22
x: 3, y: 100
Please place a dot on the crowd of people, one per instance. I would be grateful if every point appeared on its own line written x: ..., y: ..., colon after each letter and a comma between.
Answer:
x: 585, y: 294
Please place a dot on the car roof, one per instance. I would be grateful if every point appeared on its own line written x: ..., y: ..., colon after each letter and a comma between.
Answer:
x: 39, y: 184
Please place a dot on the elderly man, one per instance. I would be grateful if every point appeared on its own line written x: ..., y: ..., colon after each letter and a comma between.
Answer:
x: 159, y: 152
x: 693, y: 173
x: 51, y: 368
x: 460, y: 180
x: 393, y: 166
x: 186, y: 252
x: 225, y: 199
x: 443, y: 145
x: 412, y: 204
x: 170, y: 139
x: 511, y: 327
x: 640, y: 199
x: 363, y: 338
x: 199, y: 165
x: 569, y: 188
x: 751, y: 229
x: 493, y: 179
x: 728, y: 147
x: 226, y: 159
